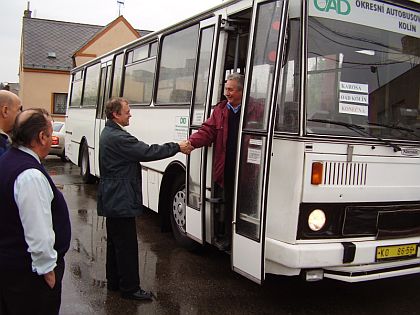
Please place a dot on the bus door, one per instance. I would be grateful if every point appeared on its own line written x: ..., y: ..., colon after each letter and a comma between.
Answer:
x: 255, y: 137
x: 199, y: 112
x: 104, y: 85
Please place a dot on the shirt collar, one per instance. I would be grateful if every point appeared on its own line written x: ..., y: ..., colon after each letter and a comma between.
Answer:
x: 6, y: 135
x: 30, y: 152
x: 122, y: 127
x: 235, y: 110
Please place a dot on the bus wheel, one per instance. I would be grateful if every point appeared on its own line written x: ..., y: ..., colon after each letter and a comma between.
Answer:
x: 85, y: 167
x: 177, y: 213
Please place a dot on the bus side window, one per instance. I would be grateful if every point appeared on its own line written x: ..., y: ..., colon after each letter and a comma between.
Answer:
x: 287, y: 115
x: 177, y: 64
x: 91, y: 89
x: 140, y: 71
x: 117, y: 75
x: 76, y: 89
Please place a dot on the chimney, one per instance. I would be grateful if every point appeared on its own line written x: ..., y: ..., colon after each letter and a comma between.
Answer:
x: 27, y: 13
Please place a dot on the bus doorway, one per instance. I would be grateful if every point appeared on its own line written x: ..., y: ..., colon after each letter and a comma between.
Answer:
x: 255, y: 137
x: 205, y: 210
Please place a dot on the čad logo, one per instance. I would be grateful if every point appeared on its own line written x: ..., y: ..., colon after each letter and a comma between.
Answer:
x: 342, y: 7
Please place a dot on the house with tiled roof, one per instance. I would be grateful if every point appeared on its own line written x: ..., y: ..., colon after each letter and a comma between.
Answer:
x: 50, y: 49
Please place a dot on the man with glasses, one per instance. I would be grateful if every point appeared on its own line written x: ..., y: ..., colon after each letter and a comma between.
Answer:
x: 10, y: 106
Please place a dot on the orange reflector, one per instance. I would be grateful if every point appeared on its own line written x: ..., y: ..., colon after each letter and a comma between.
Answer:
x: 316, y: 176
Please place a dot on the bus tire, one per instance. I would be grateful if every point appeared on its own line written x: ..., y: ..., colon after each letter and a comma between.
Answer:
x: 177, y: 211
x: 85, y: 166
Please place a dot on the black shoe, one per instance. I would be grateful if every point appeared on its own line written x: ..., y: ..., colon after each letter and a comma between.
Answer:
x: 139, y: 295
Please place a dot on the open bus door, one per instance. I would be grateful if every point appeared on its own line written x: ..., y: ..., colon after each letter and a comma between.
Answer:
x: 104, y: 86
x: 255, y: 137
x: 200, y: 110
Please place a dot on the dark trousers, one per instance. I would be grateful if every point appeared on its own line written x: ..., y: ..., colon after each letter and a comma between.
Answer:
x: 25, y: 292
x: 226, y: 215
x: 122, y: 257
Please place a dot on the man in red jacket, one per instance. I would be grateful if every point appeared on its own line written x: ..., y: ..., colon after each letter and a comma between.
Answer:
x: 222, y: 130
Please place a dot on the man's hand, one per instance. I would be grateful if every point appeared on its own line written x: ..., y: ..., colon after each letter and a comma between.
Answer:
x: 50, y: 279
x: 185, y: 146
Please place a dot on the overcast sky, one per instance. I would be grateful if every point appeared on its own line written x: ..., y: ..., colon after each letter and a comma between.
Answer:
x: 142, y: 14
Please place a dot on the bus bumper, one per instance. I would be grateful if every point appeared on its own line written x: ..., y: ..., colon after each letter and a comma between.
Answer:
x: 332, y: 258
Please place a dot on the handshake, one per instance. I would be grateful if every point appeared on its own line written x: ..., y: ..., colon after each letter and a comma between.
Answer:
x: 185, y: 146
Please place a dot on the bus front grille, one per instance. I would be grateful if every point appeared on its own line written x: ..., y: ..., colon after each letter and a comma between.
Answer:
x: 345, y: 174
x: 384, y: 222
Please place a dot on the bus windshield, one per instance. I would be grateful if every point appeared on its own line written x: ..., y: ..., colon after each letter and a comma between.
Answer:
x: 364, y: 76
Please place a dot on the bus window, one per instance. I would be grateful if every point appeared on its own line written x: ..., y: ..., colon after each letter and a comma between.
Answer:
x: 177, y: 69
x: 116, y: 82
x: 139, y: 77
x: 76, y: 91
x: 287, y: 116
x: 141, y: 53
x: 202, y: 76
x: 153, y: 49
x: 262, y: 71
x: 362, y: 75
x: 90, y: 95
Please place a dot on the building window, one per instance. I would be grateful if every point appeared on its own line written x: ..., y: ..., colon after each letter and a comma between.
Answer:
x: 60, y: 103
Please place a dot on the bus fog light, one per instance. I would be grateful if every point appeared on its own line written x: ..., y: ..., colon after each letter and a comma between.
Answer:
x: 316, y: 220
x: 314, y: 275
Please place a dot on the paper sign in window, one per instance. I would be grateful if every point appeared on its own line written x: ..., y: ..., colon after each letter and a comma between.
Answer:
x: 254, y: 156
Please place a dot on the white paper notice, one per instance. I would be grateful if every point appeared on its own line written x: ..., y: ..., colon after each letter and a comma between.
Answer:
x: 354, y: 87
x: 254, y: 156
x: 255, y: 142
x: 353, y: 109
x: 181, y: 128
x: 354, y: 98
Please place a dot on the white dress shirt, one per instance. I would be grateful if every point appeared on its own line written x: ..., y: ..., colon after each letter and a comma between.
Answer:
x: 33, y: 196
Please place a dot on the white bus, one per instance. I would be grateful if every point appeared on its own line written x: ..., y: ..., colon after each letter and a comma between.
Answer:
x: 328, y: 171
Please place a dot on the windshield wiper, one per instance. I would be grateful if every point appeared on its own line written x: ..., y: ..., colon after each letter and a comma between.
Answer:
x: 409, y: 131
x: 358, y: 129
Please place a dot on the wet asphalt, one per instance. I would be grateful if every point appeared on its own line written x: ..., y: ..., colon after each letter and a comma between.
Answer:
x: 199, y: 283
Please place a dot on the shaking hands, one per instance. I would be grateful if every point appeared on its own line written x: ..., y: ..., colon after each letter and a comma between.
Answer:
x: 185, y: 146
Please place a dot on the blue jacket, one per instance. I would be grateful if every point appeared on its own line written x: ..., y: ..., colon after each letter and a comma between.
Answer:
x: 119, y: 191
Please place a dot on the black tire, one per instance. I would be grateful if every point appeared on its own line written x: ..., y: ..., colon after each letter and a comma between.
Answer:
x: 85, y: 167
x: 177, y: 210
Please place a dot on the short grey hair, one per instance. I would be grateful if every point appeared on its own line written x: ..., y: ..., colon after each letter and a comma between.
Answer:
x: 239, y: 78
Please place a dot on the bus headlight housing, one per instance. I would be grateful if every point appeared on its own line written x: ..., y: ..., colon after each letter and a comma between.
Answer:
x: 316, y: 220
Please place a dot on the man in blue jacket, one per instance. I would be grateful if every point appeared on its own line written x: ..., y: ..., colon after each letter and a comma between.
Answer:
x: 120, y: 196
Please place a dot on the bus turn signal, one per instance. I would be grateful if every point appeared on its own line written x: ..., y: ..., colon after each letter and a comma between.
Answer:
x: 316, y: 176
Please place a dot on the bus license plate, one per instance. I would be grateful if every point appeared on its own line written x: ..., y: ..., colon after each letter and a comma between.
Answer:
x: 395, y: 252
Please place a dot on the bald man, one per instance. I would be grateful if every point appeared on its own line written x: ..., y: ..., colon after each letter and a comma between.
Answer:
x: 10, y: 106
x: 34, y: 222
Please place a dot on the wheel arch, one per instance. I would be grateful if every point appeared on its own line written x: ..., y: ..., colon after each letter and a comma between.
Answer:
x: 173, y: 170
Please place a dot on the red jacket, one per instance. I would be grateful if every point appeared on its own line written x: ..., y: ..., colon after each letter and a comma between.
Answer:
x: 215, y: 130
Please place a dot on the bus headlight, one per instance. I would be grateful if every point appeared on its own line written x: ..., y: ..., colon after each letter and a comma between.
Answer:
x: 316, y: 220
